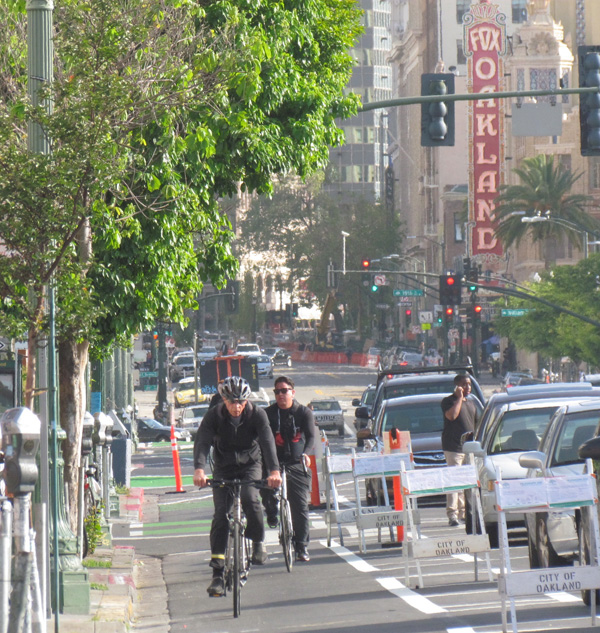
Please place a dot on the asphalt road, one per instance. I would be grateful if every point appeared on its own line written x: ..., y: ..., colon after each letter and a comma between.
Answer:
x: 341, y: 589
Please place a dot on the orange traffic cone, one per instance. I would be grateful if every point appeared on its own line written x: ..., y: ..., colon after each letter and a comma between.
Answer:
x: 176, y: 464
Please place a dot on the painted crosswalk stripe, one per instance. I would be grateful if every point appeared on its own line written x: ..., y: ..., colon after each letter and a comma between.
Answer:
x: 413, y: 599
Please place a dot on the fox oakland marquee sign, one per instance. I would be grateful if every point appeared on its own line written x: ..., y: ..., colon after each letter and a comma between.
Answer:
x: 484, y: 45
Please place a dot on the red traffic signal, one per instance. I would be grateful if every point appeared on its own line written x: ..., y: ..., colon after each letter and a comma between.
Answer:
x: 408, y: 312
x: 477, y: 309
x: 449, y: 311
x: 450, y: 281
x: 365, y: 263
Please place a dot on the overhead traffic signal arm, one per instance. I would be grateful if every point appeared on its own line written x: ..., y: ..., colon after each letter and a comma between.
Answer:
x: 589, y: 106
x: 437, y: 118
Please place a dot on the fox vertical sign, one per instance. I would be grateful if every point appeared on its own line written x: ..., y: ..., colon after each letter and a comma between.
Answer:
x: 484, y: 45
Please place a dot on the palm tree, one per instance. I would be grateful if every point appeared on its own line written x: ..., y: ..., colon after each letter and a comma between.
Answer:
x: 544, y: 189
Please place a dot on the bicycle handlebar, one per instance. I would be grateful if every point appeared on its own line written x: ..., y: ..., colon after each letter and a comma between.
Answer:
x: 230, y: 483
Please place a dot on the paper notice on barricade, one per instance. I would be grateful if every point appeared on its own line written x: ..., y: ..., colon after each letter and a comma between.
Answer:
x: 339, y: 463
x: 368, y: 464
x: 378, y: 464
x: 459, y: 477
x: 573, y: 490
x: 512, y: 494
x: 422, y: 481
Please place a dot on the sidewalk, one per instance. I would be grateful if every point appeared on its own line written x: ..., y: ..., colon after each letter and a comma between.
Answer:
x: 127, y: 590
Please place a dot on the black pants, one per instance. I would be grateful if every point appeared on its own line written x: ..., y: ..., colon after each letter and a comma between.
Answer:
x: 298, y: 493
x: 223, y: 502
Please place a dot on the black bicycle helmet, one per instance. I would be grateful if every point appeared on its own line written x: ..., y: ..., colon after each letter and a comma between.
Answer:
x: 235, y: 388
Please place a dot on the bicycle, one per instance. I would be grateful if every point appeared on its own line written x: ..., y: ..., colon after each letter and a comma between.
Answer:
x: 286, y: 530
x: 238, y: 555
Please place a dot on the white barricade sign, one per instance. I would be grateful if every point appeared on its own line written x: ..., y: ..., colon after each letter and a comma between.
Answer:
x: 549, y: 580
x: 436, y: 481
x: 339, y: 464
x: 371, y: 515
x: 378, y: 464
x: 540, y: 494
x: 449, y: 546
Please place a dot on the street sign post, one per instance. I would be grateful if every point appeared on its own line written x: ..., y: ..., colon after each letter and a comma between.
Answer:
x: 408, y: 292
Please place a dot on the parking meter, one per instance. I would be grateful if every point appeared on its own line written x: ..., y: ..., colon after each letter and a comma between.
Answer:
x: 101, y: 422
x: 87, y: 443
x: 109, y: 432
x: 20, y: 443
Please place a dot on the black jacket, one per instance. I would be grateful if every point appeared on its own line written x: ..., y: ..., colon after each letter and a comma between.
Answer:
x: 235, y: 446
x: 294, y: 431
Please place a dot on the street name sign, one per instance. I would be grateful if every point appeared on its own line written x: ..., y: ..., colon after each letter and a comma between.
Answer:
x: 512, y: 312
x: 408, y: 292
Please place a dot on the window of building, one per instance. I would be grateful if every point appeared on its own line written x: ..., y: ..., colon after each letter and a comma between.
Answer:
x: 459, y: 228
x: 594, y: 169
x: 519, y: 11
x: 460, y: 52
x: 462, y: 7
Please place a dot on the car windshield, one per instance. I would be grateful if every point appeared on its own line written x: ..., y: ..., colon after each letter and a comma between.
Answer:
x: 184, y: 360
x: 247, y: 348
x: 326, y: 406
x: 263, y: 359
x: 521, y: 430
x: 426, y: 418
x: 196, y: 412
x: 414, y: 389
x: 270, y: 351
x: 576, y: 429
x: 208, y: 350
x: 154, y: 424
x: 184, y: 386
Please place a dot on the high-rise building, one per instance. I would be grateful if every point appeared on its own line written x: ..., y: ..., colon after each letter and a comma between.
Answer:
x: 358, y: 167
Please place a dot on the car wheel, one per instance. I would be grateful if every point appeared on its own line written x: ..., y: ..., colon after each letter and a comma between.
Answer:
x: 547, y: 557
x: 163, y: 438
x: 492, y: 532
x: 289, y: 362
x: 468, y: 519
x: 534, y: 560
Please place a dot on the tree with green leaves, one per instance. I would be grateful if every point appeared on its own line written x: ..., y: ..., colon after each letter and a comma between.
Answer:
x: 160, y: 108
x: 298, y: 232
x: 549, y: 331
x: 545, y: 187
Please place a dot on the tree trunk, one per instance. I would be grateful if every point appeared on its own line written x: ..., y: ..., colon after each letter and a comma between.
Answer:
x: 72, y: 357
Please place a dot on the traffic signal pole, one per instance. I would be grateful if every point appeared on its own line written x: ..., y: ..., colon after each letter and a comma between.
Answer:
x: 475, y: 96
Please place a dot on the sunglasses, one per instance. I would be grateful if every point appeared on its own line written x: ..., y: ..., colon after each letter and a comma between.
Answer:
x: 282, y: 390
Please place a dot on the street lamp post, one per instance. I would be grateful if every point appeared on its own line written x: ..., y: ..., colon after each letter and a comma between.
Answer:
x: 547, y: 217
x: 344, y: 236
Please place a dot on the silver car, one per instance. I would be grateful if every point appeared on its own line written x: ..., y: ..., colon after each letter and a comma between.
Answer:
x: 329, y: 415
x: 264, y: 365
x: 190, y: 417
x: 553, y: 536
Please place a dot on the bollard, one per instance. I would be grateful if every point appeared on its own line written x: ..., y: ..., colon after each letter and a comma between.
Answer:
x: 176, y: 464
x: 6, y: 520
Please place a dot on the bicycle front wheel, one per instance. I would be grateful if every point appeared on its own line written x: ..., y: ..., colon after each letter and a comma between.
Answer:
x: 286, y: 534
x: 238, y: 567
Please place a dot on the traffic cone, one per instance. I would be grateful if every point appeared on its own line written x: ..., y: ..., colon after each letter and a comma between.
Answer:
x: 398, y: 498
x: 176, y: 464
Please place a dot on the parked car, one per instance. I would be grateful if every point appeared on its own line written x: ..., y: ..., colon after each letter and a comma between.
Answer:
x: 422, y: 416
x: 150, y: 430
x: 517, y: 428
x: 278, y: 356
x: 512, y: 378
x: 182, y: 366
x: 185, y: 393
x: 366, y: 400
x: 191, y: 417
x: 553, y: 536
x: 329, y: 415
x: 264, y: 366
x: 247, y: 349
x: 207, y: 353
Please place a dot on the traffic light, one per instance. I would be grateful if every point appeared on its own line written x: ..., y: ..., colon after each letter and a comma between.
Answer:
x: 374, y: 286
x: 450, y: 289
x: 589, y: 105
x: 365, y: 264
x: 232, y: 296
x: 473, y: 278
x: 440, y: 318
x: 437, y: 118
x: 407, y: 317
x: 295, y: 310
x: 449, y: 315
x: 476, y: 312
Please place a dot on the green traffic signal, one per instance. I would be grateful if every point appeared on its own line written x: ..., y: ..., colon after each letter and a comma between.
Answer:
x: 374, y: 288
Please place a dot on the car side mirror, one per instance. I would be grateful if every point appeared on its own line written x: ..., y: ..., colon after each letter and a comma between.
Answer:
x: 356, y: 402
x: 362, y: 412
x: 365, y: 434
x: 590, y: 449
x: 473, y: 448
x: 532, y: 459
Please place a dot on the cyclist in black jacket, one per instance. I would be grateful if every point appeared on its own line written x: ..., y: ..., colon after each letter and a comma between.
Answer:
x: 238, y: 431
x: 293, y: 426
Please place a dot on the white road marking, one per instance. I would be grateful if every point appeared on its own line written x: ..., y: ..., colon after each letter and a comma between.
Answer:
x: 461, y: 629
x: 415, y: 600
